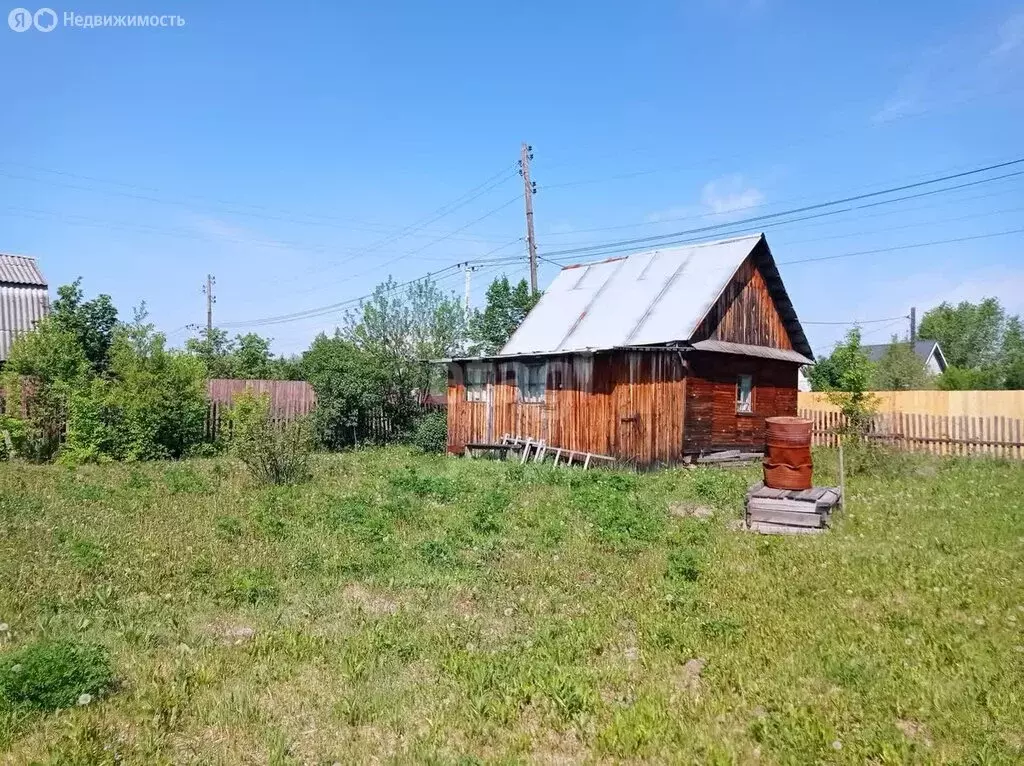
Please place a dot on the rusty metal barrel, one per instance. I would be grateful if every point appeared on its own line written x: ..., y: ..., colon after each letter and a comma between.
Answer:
x: 787, y: 460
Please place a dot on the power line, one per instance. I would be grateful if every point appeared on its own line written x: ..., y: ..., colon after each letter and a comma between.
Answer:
x: 911, y: 246
x: 858, y: 321
x: 808, y: 208
x: 444, y: 273
x: 706, y: 215
x: 262, y: 212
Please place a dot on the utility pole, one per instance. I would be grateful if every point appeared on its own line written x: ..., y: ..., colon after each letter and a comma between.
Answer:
x: 210, y: 300
x: 469, y: 283
x: 529, y: 189
x: 913, y: 323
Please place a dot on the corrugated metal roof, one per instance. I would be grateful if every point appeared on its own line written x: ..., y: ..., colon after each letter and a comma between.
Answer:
x: 20, y: 309
x: 654, y: 297
x: 20, y: 270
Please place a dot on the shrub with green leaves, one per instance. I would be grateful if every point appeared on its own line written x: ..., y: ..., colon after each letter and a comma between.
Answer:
x: 431, y: 432
x: 273, y: 453
x: 51, y: 674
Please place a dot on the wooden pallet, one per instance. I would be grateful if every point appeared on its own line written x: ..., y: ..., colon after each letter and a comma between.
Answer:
x: 791, y: 511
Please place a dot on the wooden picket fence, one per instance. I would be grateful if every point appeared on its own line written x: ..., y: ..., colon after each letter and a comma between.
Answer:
x: 996, y: 436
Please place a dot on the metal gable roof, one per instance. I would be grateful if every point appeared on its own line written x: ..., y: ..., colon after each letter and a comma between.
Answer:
x: 659, y: 296
x: 20, y: 270
x: 922, y: 348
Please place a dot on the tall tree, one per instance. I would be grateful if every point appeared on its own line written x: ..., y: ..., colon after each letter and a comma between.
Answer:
x: 91, y: 322
x: 900, y: 369
x: 847, y: 368
x: 349, y: 382
x: 970, y: 333
x: 506, y: 308
x: 402, y: 329
x: 252, y: 357
x: 215, y: 350
x: 1013, y: 354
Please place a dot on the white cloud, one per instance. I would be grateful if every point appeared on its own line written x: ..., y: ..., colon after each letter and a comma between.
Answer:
x: 730, y: 194
x: 959, y: 70
x: 721, y: 199
x: 1010, y: 36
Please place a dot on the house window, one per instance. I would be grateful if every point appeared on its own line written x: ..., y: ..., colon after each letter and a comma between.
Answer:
x: 476, y: 383
x: 533, y: 378
x: 745, y: 393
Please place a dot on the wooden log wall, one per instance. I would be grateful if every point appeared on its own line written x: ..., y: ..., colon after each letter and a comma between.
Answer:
x: 996, y: 436
x: 712, y: 421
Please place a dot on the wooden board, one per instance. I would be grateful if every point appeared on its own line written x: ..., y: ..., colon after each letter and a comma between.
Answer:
x: 779, y: 504
x: 782, y: 529
x: 785, y: 517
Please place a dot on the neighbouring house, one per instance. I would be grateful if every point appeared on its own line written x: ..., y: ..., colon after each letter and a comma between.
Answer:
x: 928, y: 351
x: 647, y: 358
x: 24, y: 299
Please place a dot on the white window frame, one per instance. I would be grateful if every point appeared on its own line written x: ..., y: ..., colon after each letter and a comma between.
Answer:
x: 744, y: 405
x: 532, y: 388
x: 476, y: 383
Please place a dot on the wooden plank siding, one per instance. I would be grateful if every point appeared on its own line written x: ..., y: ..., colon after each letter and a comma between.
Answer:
x: 711, y: 418
x: 745, y: 312
x: 627, y: 404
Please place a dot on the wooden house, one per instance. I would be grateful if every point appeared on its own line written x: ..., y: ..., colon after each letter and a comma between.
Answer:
x: 648, y: 358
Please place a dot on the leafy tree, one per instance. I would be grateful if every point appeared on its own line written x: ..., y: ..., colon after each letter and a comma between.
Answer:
x: 507, y: 307
x: 847, y: 368
x: 401, y: 330
x: 900, y: 369
x: 1013, y: 354
x: 215, y: 350
x: 252, y: 357
x: 967, y: 379
x: 349, y: 382
x: 92, y: 322
x: 151, y: 405
x: 846, y: 373
x: 970, y: 334
x: 44, y: 369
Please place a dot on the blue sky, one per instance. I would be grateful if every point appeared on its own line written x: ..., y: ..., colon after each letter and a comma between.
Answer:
x: 288, y: 148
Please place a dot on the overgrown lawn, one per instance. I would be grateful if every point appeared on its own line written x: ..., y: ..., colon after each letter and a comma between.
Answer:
x: 405, y: 607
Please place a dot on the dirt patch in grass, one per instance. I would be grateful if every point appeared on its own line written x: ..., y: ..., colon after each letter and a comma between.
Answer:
x: 370, y: 601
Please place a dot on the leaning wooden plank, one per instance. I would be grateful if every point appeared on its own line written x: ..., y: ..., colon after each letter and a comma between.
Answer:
x: 785, y: 517
x: 782, y: 529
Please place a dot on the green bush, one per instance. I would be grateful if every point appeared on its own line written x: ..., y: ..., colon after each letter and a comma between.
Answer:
x: 274, y: 454
x: 54, y: 674
x: 151, y: 407
x: 431, y: 432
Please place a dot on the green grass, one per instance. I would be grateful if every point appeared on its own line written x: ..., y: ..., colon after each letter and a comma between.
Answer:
x: 419, y: 608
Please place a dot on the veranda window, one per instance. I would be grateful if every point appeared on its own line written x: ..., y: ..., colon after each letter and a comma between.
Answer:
x: 532, y: 378
x: 476, y: 383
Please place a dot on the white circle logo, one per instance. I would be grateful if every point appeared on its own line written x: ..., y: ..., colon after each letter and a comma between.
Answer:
x: 20, y: 19
x: 45, y: 19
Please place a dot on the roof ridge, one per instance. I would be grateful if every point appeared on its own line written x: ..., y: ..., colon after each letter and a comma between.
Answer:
x: 17, y: 255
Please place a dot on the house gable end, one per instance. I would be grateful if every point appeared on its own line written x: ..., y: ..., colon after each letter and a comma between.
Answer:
x: 754, y: 309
